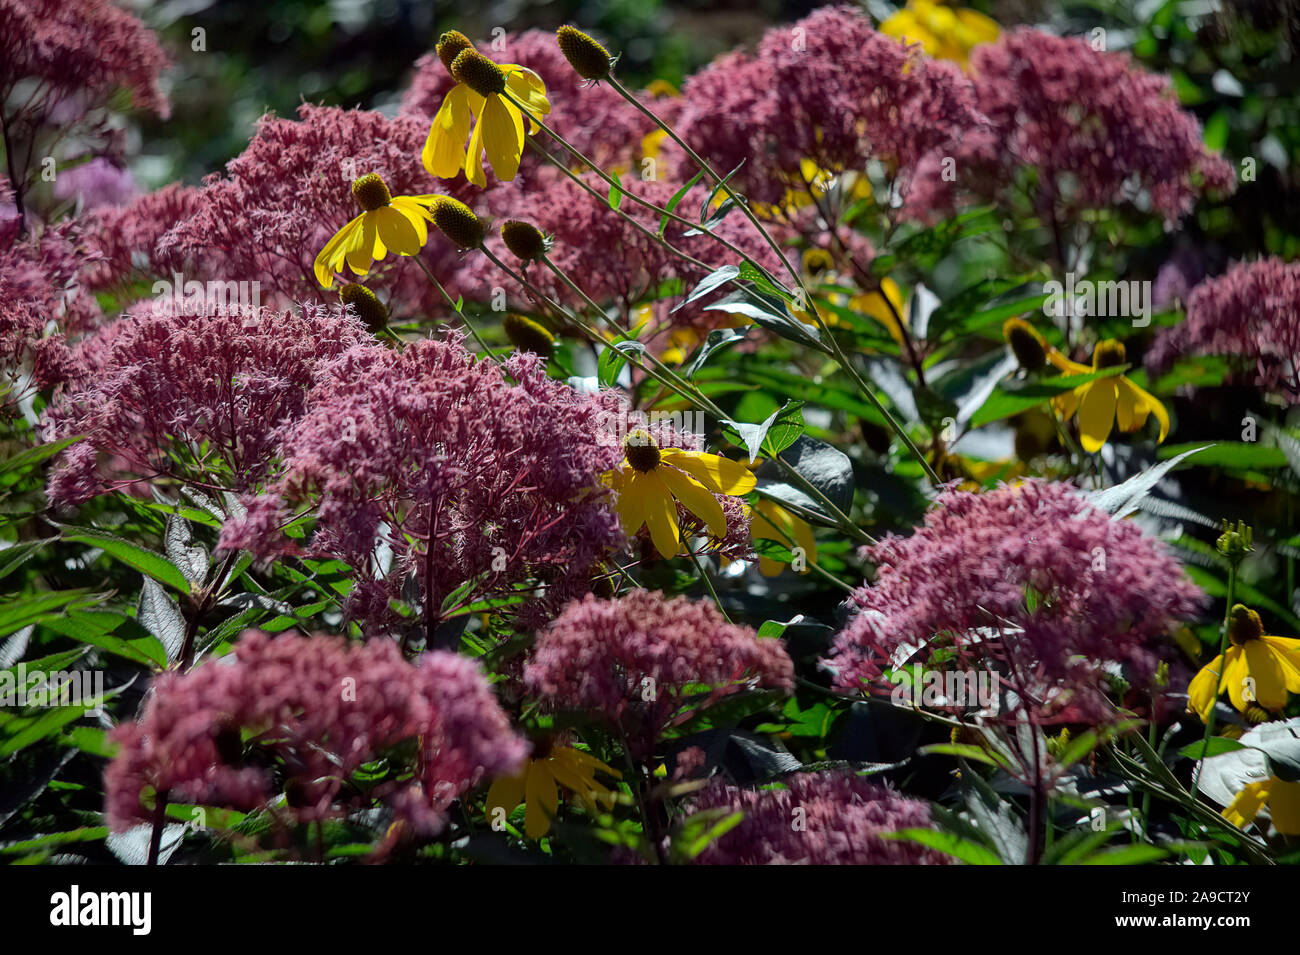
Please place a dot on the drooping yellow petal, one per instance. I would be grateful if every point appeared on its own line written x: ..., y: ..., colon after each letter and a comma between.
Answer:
x: 1243, y: 809
x: 589, y: 762
x: 885, y: 306
x: 366, y: 246
x: 505, y: 793
x: 542, y: 800
x: 696, y: 498
x: 1147, y: 402
x: 1065, y: 366
x: 1265, y: 669
x: 630, y: 503
x: 527, y: 87
x: 1067, y: 403
x: 1284, y: 806
x: 1286, y: 650
x: 1097, y: 414
x: 1205, y: 688
x: 503, y: 136
x: 396, y: 231
x: 444, y: 148
x: 661, y: 515
x: 416, y: 214
x: 330, y: 259
x: 474, y: 154
x: 1235, y: 673
x: 1130, y: 413
x: 720, y: 475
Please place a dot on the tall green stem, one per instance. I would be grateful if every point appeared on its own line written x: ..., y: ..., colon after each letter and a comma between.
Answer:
x: 1218, y: 688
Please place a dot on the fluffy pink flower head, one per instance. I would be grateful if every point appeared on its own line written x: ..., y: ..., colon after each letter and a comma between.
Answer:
x: 191, y: 397
x: 1097, y: 128
x: 125, y: 239
x: 1252, y: 314
x: 635, y: 660
x: 1031, y: 582
x: 830, y: 89
x: 300, y: 715
x: 95, y: 183
x: 42, y: 302
x: 844, y: 818
x: 504, y: 476
x: 78, y: 48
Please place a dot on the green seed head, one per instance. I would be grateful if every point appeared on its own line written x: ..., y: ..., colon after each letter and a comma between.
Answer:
x: 524, y: 239
x: 527, y: 335
x: 366, y: 304
x: 478, y: 72
x: 585, y: 55
x: 1025, y: 344
x: 450, y: 45
x: 458, y: 222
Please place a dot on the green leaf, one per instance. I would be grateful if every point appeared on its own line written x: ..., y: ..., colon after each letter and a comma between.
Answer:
x: 708, y: 200
x: 1123, y: 499
x: 34, y: 608
x: 963, y: 750
x: 781, y: 429
x: 1230, y: 455
x: 1126, y: 855
x: 678, y: 196
x: 711, y: 282
x: 946, y: 842
x: 996, y: 314
x: 700, y: 830
x: 133, y: 555
x: 717, y: 339
x: 770, y: 312
x: 615, y: 195
x: 11, y: 469
x: 1218, y: 745
x: 1216, y: 130
x: 609, y: 366
x: 11, y: 558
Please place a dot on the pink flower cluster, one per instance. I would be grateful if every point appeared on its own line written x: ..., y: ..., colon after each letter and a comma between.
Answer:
x: 637, y: 659
x: 815, y: 819
x: 97, y: 182
x: 830, y: 89
x: 42, y: 299
x: 196, y: 398
x: 300, y: 715
x: 1095, y: 127
x: 1030, y: 581
x: 1250, y: 313
x: 79, y: 50
x: 125, y: 239
x: 428, y: 445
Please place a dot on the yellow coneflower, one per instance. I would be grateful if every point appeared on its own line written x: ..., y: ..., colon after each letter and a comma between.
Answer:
x: 652, y: 480
x: 536, y: 786
x: 1270, y: 664
x: 770, y: 521
x: 478, y: 102
x: 387, y: 223
x: 1099, y: 403
x: 944, y: 32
